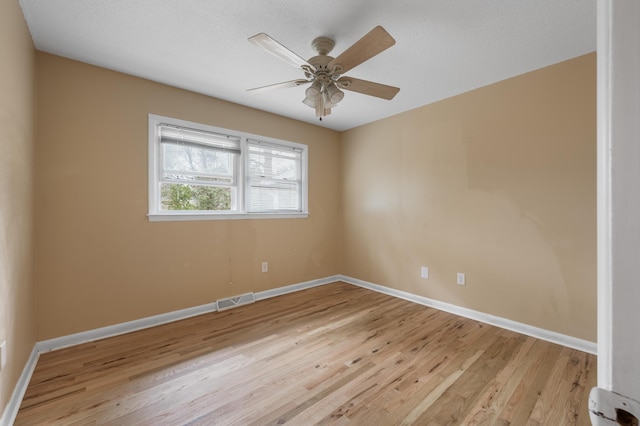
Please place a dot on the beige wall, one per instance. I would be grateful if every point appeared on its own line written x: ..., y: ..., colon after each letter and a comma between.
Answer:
x: 100, y: 261
x: 17, y: 307
x: 498, y: 183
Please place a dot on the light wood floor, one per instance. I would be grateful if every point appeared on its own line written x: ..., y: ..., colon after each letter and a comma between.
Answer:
x: 335, y: 354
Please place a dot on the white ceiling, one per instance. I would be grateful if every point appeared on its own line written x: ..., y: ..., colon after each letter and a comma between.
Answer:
x: 443, y: 47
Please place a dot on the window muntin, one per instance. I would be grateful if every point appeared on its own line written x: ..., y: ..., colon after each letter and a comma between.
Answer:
x: 200, y: 172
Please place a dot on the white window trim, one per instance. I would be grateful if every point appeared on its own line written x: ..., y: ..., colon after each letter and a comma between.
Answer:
x: 156, y: 215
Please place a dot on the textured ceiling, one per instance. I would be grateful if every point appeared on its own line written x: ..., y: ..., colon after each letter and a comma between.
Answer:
x: 443, y: 47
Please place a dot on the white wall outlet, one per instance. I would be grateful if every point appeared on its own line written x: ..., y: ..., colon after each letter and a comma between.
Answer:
x: 461, y: 279
x: 3, y: 354
x: 424, y: 272
x: 265, y: 266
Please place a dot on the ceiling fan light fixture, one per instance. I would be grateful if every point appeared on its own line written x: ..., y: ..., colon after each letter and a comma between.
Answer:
x: 309, y: 102
x: 334, y: 94
x: 327, y: 100
x: 313, y: 92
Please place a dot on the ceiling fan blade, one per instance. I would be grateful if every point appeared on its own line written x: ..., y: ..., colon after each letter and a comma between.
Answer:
x: 368, y: 87
x: 283, y: 85
x: 278, y: 50
x: 374, y: 42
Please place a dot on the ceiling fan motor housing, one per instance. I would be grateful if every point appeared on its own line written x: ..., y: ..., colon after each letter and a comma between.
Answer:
x: 323, y: 45
x: 323, y: 94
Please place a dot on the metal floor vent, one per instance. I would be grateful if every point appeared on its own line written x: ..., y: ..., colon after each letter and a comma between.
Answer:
x: 232, y: 302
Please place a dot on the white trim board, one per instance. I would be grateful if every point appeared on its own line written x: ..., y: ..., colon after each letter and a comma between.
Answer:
x: 122, y: 328
x: 618, y: 198
x: 261, y: 295
x: 539, y: 333
x: 11, y: 410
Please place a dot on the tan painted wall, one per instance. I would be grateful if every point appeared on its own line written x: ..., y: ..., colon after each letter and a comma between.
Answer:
x: 17, y: 303
x: 100, y: 261
x: 498, y: 183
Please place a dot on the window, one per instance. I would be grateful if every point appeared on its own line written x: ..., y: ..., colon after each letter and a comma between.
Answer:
x: 202, y: 172
x: 274, y: 174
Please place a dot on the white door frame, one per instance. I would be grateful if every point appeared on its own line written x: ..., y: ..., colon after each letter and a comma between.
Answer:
x: 619, y: 199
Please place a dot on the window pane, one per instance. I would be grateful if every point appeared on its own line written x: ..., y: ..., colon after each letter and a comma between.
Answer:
x: 274, y: 178
x: 273, y: 196
x: 270, y: 163
x: 176, y: 196
x: 197, y: 163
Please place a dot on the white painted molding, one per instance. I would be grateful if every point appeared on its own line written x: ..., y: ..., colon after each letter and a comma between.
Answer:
x: 122, y: 328
x: 539, y: 333
x: 604, y: 195
x: 11, y: 410
x: 261, y: 295
x: 618, y: 197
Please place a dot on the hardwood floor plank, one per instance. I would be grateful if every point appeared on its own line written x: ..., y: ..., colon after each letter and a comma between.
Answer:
x: 569, y: 372
x: 500, y: 389
x: 335, y: 354
x: 535, y: 375
x: 437, y: 393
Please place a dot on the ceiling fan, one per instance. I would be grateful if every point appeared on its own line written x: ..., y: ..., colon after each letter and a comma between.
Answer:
x: 325, y: 73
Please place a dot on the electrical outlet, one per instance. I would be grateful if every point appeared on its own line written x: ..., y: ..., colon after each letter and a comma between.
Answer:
x: 461, y: 279
x: 3, y: 354
x: 424, y: 272
x: 265, y: 266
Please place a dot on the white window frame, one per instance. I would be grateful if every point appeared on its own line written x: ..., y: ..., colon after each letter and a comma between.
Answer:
x: 156, y: 214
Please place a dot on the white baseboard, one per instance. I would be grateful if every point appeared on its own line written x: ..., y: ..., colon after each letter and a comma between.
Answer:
x: 122, y: 328
x: 11, y: 410
x: 261, y: 295
x: 539, y: 333
x: 101, y: 333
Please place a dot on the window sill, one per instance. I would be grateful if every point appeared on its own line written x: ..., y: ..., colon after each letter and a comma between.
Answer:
x: 169, y: 217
